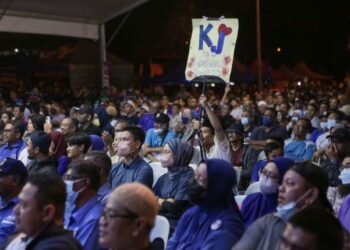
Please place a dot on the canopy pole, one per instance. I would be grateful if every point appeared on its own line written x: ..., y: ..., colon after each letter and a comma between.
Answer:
x: 103, y: 54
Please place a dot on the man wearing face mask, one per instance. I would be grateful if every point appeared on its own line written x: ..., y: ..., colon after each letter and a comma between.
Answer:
x: 85, y: 118
x: 303, y: 186
x: 214, y: 222
x: 336, y: 152
x: 247, y: 122
x: 82, y: 182
x: 257, y: 142
x: 157, y: 137
x: 131, y: 168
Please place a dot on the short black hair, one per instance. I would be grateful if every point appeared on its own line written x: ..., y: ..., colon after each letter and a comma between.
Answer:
x: 273, y: 111
x: 21, y: 107
x: 19, y: 126
x: 277, y: 139
x: 80, y: 138
x: 308, y: 123
x: 50, y: 190
x: 323, y: 225
x: 271, y: 146
x: 137, y: 133
x: 88, y: 169
x: 102, y: 160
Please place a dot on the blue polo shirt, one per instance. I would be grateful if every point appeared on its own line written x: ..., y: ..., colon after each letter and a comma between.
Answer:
x: 12, y: 151
x: 136, y: 171
x: 7, y: 219
x: 103, y: 193
x: 83, y: 222
x: 154, y: 140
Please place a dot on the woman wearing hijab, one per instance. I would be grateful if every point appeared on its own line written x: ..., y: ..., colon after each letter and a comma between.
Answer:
x: 214, y: 222
x: 103, y: 120
x: 97, y: 143
x: 264, y: 202
x: 58, y: 151
x: 171, y: 188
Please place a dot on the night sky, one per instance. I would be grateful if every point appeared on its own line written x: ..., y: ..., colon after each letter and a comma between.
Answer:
x: 159, y: 31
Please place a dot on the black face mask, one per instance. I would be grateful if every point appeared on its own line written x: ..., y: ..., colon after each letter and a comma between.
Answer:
x: 195, y: 191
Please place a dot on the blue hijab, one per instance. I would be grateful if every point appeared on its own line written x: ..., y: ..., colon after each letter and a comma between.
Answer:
x: 104, y: 119
x: 256, y: 205
x: 216, y: 221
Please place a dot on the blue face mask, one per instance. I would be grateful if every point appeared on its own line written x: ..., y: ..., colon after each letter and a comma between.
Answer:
x: 245, y: 121
x: 331, y: 123
x: 267, y: 121
x: 71, y: 194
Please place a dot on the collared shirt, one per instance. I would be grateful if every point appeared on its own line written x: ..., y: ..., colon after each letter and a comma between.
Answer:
x: 299, y: 150
x: 12, y: 151
x: 7, y: 219
x: 83, y: 222
x: 136, y: 171
x: 154, y: 140
x: 103, y: 193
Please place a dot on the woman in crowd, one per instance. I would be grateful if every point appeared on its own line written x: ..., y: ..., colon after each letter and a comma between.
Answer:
x: 171, y: 188
x: 258, y: 204
x: 214, y: 222
x: 58, y: 150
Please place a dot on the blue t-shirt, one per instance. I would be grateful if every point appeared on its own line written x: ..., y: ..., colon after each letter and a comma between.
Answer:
x: 299, y: 150
x: 154, y: 140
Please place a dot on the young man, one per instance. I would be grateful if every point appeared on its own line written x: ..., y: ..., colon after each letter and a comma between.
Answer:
x: 77, y: 146
x: 85, y: 117
x: 132, y: 167
x: 38, y: 150
x: 82, y: 182
x: 39, y: 214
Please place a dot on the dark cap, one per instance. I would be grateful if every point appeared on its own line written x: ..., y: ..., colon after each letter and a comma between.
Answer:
x: 340, y: 135
x: 235, y: 127
x: 42, y: 141
x: 162, y: 118
x: 13, y: 167
x: 86, y: 110
x: 316, y: 177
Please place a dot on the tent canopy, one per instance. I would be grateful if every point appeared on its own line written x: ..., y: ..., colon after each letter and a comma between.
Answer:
x: 76, y: 18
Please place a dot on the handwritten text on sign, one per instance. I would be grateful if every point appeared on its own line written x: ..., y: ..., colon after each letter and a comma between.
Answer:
x: 212, y: 48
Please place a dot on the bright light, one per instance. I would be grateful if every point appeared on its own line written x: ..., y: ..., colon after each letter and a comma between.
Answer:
x: 299, y: 83
x: 16, y: 50
x: 196, y: 85
x: 231, y: 83
x: 213, y: 84
x: 278, y: 49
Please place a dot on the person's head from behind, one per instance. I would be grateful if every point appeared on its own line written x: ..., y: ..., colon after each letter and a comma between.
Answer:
x: 36, y: 123
x: 128, y: 217
x: 69, y: 126
x: 130, y: 143
x: 38, y: 145
x: 312, y: 229
x: 78, y: 145
x: 176, y: 153
x: 41, y: 202
x: 82, y: 180
x: 104, y: 163
x: 13, y: 175
x: 13, y: 132
x: 304, y: 185
x: 273, y: 149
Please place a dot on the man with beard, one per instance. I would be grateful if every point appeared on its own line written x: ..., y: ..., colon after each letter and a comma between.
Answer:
x: 214, y: 222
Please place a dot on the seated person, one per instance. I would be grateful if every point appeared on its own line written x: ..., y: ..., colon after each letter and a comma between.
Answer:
x: 214, y: 222
x: 264, y: 202
x: 171, y: 188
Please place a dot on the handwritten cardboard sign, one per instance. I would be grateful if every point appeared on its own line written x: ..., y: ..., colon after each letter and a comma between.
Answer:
x: 212, y: 48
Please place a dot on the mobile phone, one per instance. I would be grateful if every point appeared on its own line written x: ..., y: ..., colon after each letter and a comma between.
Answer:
x: 48, y: 119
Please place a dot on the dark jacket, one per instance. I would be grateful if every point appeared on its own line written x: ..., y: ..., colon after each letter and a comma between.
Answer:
x: 48, y: 166
x: 332, y: 170
x: 54, y: 237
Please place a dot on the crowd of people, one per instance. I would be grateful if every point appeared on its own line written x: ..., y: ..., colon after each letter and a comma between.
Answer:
x: 242, y: 169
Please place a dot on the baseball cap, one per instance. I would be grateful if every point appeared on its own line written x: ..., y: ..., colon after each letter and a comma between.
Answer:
x: 340, y: 135
x: 13, y: 167
x: 162, y: 118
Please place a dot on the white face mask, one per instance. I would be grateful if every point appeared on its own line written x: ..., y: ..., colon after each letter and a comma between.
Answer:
x: 331, y: 123
x: 323, y: 125
x: 345, y: 176
x: 267, y: 186
x: 245, y: 121
x: 158, y: 131
x: 124, y: 149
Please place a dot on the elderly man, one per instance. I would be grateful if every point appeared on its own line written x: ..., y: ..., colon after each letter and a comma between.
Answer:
x: 128, y: 218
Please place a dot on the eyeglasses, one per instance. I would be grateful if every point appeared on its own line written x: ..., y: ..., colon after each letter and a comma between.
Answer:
x: 109, y: 215
x: 269, y: 174
x: 72, y: 178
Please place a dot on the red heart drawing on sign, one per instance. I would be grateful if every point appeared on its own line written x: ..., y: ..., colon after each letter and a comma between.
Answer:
x: 227, y: 60
x: 226, y: 30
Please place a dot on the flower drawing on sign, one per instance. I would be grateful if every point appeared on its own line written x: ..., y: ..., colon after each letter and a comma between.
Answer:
x: 190, y: 73
x: 192, y: 60
x: 224, y: 71
x: 227, y: 60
